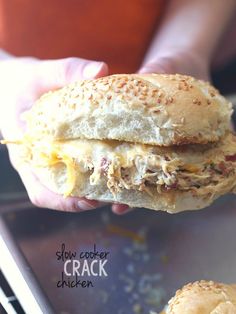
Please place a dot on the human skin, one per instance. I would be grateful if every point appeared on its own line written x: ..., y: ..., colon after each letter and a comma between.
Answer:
x: 184, y: 43
x: 187, y: 40
x: 190, y: 36
x: 22, y: 81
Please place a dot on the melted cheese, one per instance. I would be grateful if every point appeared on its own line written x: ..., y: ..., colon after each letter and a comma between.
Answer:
x: 55, y: 157
x: 70, y: 153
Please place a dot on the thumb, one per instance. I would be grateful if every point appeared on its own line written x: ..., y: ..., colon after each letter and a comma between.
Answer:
x: 57, y: 73
x: 163, y: 65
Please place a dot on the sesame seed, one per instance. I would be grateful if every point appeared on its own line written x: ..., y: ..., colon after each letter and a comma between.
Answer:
x: 121, y: 84
x: 142, y: 98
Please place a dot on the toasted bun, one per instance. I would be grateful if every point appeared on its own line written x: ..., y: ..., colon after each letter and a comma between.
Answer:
x: 204, y: 297
x: 152, y: 109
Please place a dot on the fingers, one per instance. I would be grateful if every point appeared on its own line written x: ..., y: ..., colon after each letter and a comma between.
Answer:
x: 186, y: 63
x: 40, y: 196
x: 51, y: 74
x: 162, y: 65
x: 57, y: 73
x: 86, y: 204
x: 121, y: 209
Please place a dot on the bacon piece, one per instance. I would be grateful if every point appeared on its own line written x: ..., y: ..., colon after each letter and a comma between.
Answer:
x: 230, y: 157
x: 173, y: 186
x: 223, y: 168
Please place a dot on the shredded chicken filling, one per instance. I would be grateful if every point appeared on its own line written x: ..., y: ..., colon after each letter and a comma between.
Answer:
x: 144, y: 175
x: 139, y: 167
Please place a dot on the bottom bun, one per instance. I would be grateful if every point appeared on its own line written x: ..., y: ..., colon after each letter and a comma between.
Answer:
x: 55, y: 178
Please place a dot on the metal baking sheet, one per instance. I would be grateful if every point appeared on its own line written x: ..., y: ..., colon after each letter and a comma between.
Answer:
x: 151, y: 254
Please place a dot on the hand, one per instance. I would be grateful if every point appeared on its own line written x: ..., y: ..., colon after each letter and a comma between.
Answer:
x: 171, y: 63
x: 187, y: 62
x: 22, y: 81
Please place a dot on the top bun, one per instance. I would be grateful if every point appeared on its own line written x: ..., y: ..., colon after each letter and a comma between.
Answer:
x: 152, y: 109
x: 204, y: 297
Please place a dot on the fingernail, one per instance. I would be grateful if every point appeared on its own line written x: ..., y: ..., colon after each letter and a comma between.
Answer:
x: 92, y: 69
x: 84, y: 205
x: 121, y: 209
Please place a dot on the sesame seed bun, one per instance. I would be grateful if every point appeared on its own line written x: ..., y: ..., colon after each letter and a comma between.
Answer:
x: 204, y: 297
x: 154, y: 109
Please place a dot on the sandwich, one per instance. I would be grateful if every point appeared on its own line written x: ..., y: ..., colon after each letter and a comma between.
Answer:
x: 157, y: 141
x: 203, y: 297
